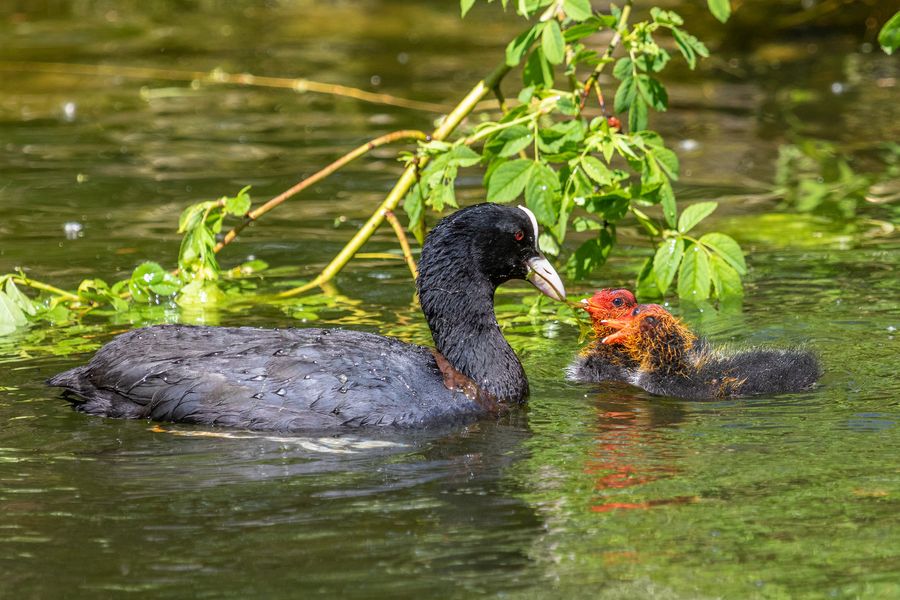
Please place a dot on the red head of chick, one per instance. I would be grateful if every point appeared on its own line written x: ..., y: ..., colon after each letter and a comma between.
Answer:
x: 672, y: 361
x: 598, y: 362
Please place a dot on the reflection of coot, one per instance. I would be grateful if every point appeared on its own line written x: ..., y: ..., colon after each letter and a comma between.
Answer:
x: 308, y: 379
x: 673, y: 362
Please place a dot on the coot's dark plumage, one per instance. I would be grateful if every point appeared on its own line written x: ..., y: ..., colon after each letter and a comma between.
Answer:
x: 674, y: 362
x: 302, y: 379
x: 598, y: 361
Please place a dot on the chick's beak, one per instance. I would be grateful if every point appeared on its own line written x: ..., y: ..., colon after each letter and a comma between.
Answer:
x: 619, y: 335
x: 544, y: 277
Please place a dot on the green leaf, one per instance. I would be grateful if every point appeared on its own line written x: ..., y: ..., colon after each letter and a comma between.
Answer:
x: 21, y: 300
x: 695, y: 213
x: 200, y: 293
x: 727, y: 248
x: 167, y: 287
x: 624, y: 68
x: 579, y: 10
x: 694, y: 276
x: 552, y: 43
x: 514, y: 139
x: 508, y: 181
x: 721, y: 9
x: 726, y: 281
x: 686, y: 50
x: 11, y: 316
x: 654, y: 92
x: 637, y: 115
x: 625, y: 95
x: 541, y: 194
x: 538, y: 71
x: 590, y: 255
x: 465, y: 6
x: 666, y: 262
x: 240, y: 204
x: 414, y: 208
x: 464, y: 156
x: 645, y: 286
x: 889, y: 36
x: 596, y: 170
x: 518, y: 48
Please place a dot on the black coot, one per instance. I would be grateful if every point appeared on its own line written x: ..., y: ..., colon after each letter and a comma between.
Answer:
x: 303, y: 379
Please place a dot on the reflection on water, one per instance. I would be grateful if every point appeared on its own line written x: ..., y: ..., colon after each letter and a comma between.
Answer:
x: 593, y: 491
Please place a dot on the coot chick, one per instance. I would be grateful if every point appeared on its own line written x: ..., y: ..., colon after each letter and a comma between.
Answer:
x: 598, y: 361
x: 321, y: 379
x: 674, y: 362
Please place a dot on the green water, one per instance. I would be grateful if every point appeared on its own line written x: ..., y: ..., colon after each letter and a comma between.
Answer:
x: 594, y: 491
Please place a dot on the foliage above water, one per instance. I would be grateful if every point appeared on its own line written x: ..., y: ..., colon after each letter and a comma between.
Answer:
x: 582, y: 165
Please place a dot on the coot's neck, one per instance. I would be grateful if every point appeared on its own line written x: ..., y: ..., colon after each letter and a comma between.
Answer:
x: 669, y: 354
x: 458, y: 303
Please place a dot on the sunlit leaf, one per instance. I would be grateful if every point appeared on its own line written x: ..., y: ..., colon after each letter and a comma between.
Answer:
x: 721, y: 9
x: 465, y: 6
x: 552, y: 43
x: 726, y: 281
x: 694, y: 275
x: 727, y: 248
x: 517, y: 48
x: 889, y: 36
x: 541, y: 193
x: 666, y: 262
x: 695, y: 213
x: 508, y: 181
x: 577, y: 9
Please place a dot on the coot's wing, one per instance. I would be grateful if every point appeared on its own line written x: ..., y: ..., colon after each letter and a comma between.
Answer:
x: 263, y: 379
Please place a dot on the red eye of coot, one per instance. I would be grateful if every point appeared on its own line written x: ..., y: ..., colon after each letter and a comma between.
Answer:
x: 519, y: 235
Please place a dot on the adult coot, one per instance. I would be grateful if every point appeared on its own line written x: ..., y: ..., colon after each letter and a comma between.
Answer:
x: 598, y: 361
x: 674, y: 362
x: 303, y: 379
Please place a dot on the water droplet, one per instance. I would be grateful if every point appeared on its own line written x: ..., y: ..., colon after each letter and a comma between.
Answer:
x: 73, y: 230
x: 69, y: 110
x: 281, y: 392
x: 342, y: 378
x: 257, y: 378
x: 257, y: 395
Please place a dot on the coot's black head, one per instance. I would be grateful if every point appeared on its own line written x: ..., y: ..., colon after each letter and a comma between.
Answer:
x: 487, y: 244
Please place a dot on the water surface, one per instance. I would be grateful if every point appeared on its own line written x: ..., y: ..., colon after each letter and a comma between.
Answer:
x: 594, y: 491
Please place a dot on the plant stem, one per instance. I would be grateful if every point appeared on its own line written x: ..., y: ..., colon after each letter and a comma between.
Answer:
x: 406, y: 181
x: 404, y: 243
x: 45, y: 287
x: 405, y: 134
x: 613, y: 43
x: 299, y: 84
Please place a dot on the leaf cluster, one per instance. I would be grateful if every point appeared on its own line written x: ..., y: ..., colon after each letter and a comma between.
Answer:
x: 584, y: 174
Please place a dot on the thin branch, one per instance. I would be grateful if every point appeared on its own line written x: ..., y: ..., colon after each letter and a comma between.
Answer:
x: 45, y: 287
x: 406, y: 181
x: 404, y: 243
x: 613, y: 43
x: 298, y: 84
x: 404, y: 134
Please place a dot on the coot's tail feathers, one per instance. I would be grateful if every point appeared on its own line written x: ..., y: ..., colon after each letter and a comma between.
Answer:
x: 79, y: 390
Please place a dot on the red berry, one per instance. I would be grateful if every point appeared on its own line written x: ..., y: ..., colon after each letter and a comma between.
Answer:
x: 614, y: 122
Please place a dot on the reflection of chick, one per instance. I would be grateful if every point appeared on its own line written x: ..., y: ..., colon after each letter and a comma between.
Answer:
x: 600, y: 362
x: 673, y: 362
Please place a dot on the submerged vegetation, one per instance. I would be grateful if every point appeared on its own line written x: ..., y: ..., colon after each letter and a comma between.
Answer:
x: 573, y: 145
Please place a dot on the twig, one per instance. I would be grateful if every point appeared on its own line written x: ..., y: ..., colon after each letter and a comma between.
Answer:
x: 404, y: 134
x: 613, y: 43
x: 404, y: 243
x: 298, y: 84
x: 45, y: 287
x: 406, y: 181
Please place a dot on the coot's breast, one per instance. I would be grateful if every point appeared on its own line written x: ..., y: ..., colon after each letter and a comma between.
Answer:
x: 290, y: 379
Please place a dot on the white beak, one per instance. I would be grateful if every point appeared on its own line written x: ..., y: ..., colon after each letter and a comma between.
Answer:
x: 544, y: 277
